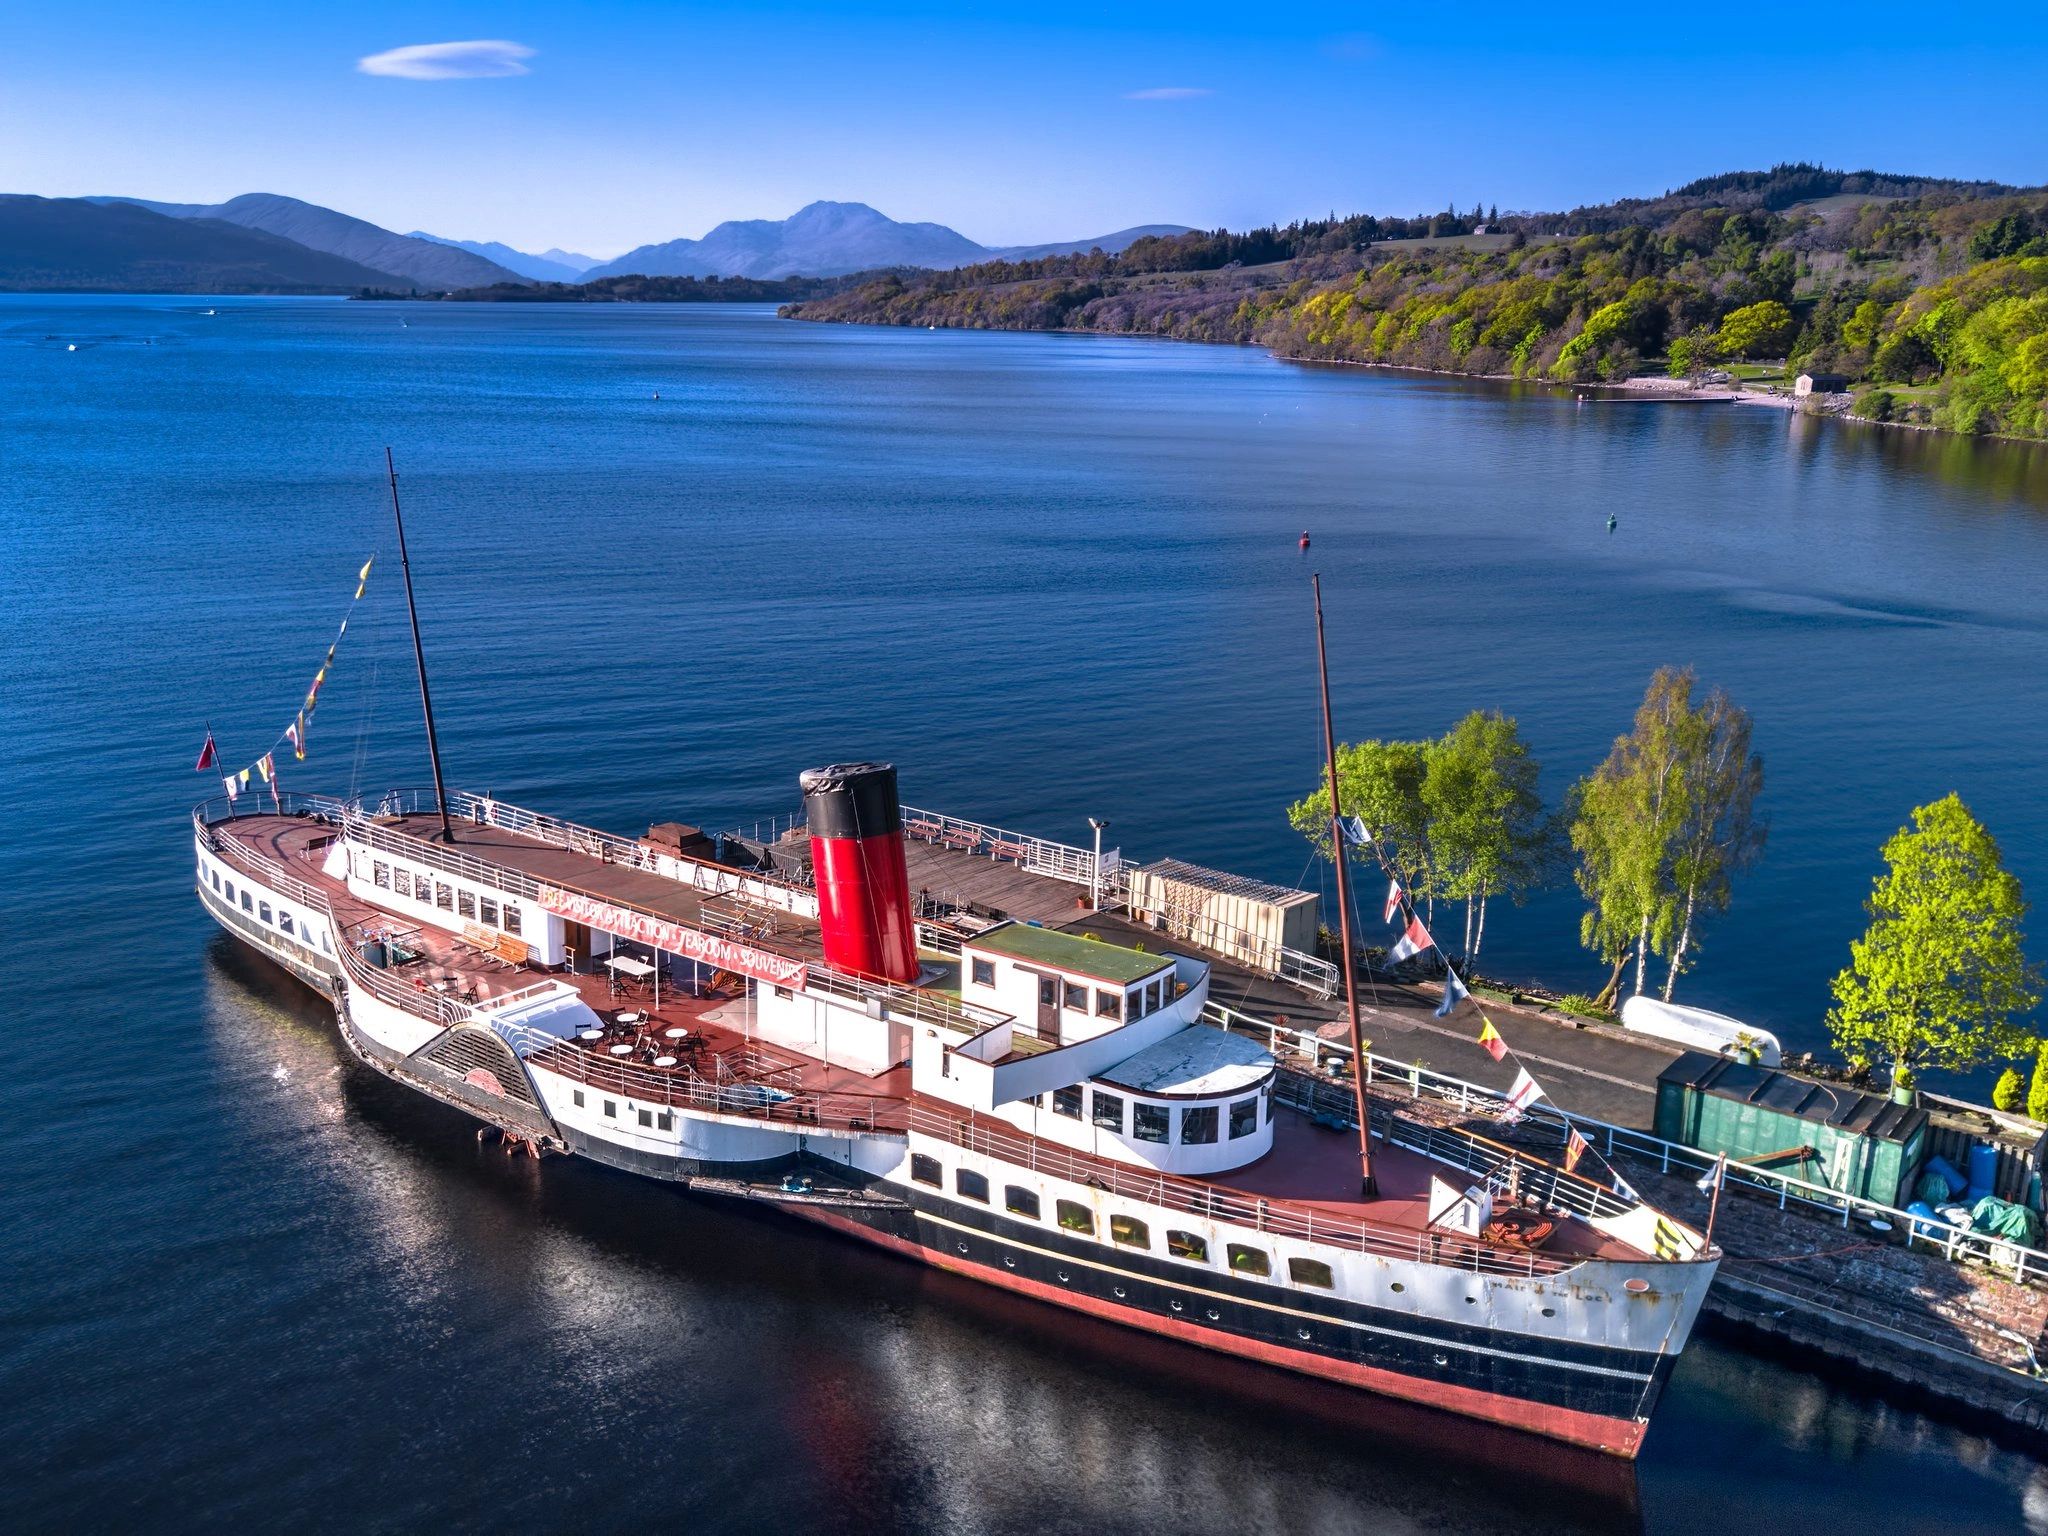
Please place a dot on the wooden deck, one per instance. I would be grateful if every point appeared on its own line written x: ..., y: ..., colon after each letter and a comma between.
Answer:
x: 953, y: 876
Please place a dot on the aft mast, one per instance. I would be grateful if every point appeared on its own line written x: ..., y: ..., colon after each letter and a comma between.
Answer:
x: 1367, y: 1184
x: 419, y: 656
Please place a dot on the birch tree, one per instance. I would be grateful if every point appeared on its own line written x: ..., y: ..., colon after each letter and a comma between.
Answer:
x: 1720, y: 832
x: 1381, y: 784
x: 1487, y: 826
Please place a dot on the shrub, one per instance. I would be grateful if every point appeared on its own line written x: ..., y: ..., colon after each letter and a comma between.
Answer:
x: 1584, y: 1006
x: 1875, y: 405
x: 2010, y: 1092
x: 2037, y: 1091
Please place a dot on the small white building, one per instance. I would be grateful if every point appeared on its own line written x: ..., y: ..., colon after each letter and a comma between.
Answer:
x: 1061, y: 988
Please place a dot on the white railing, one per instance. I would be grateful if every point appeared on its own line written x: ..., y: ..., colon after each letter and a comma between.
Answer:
x: 1033, y: 855
x: 2025, y: 1264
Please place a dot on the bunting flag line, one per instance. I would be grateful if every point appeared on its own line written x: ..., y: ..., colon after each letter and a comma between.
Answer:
x: 1622, y: 1187
x: 1525, y: 1092
x: 1490, y: 1040
x: 294, y: 733
x: 1393, y: 900
x: 1355, y: 833
x: 1454, y: 994
x: 1412, y: 942
x: 1575, y: 1147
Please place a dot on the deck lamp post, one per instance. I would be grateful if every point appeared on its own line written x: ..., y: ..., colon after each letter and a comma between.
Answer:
x: 1095, y: 870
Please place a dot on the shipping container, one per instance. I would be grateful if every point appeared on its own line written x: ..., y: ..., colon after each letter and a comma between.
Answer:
x: 1243, y: 919
x: 1851, y: 1142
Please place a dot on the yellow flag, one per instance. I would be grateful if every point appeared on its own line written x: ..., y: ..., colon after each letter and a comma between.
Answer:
x: 1489, y: 1037
x: 364, y: 573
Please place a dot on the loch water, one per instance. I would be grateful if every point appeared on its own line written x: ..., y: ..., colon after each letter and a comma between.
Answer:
x: 668, y: 557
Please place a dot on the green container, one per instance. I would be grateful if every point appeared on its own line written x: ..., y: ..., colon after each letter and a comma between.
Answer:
x: 1854, y: 1143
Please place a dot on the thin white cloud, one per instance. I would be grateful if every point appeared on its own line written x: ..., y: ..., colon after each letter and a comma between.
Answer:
x: 1169, y: 93
x: 484, y: 59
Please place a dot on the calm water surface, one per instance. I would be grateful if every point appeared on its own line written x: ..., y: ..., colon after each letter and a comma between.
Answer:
x: 241, y: 1279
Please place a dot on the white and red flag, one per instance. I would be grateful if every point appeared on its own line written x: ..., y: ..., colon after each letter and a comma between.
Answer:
x: 207, y: 756
x: 1412, y: 942
x: 1393, y: 899
x: 1526, y: 1091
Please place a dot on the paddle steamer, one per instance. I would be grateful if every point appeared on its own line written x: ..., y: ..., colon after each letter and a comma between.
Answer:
x: 1053, y: 1113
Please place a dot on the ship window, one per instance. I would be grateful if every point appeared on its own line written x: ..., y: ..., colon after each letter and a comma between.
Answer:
x: 465, y: 903
x: 1019, y: 1201
x: 665, y: 1121
x: 647, y: 1118
x: 971, y: 1185
x: 247, y: 904
x: 380, y: 874
x: 444, y: 896
x: 782, y: 991
x: 1188, y: 1245
x: 263, y: 911
x: 323, y: 942
x: 1198, y: 1126
x: 511, y: 917
x: 487, y: 909
x: 1067, y: 1101
x: 1151, y: 1122
x: 1110, y: 1004
x: 1075, y: 1217
x: 1130, y: 1231
x: 216, y: 879
x: 1244, y: 1117
x: 1248, y: 1261
x: 1155, y: 997
x: 925, y: 1170
x: 1311, y: 1272
x: 611, y: 1109
x: 231, y: 890
x: 577, y: 1095
x: 984, y: 973
x: 284, y: 921
x: 1109, y: 1111
x: 1077, y: 997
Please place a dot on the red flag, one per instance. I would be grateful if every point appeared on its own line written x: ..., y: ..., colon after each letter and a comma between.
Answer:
x: 1490, y: 1038
x: 1575, y: 1147
x: 1412, y: 942
x: 207, y: 756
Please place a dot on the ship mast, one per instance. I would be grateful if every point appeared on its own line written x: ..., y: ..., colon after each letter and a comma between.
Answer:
x: 1368, y: 1186
x: 419, y: 657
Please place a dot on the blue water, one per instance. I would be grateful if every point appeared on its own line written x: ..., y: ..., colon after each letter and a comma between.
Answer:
x: 1050, y: 577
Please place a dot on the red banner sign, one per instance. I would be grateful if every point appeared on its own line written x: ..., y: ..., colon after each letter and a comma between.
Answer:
x: 690, y: 943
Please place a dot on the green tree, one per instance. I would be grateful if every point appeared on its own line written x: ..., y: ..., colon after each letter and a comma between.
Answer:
x: 1757, y: 330
x: 1381, y: 784
x: 1941, y: 977
x: 1486, y: 823
x: 1694, y: 354
x: 2037, y: 1090
x: 1720, y: 832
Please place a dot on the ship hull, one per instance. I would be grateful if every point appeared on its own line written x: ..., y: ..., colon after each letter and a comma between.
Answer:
x: 1558, y: 1392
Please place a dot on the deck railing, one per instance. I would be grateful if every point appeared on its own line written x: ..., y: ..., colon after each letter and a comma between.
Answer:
x: 2025, y: 1264
x: 1279, y: 1218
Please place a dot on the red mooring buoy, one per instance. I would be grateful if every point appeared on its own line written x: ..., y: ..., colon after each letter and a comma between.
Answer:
x: 1304, y: 538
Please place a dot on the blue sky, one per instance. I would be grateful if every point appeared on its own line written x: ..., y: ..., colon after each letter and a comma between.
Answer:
x: 640, y: 122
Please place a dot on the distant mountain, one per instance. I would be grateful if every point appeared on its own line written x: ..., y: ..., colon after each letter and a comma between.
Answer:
x: 83, y: 243
x: 553, y: 267
x: 574, y: 259
x: 413, y: 263
x: 832, y: 239
x: 1110, y: 245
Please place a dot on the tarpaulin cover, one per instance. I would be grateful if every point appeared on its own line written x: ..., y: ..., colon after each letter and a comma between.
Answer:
x: 2001, y: 1218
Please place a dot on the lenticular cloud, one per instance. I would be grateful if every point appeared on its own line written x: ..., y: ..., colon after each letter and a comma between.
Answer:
x: 480, y: 60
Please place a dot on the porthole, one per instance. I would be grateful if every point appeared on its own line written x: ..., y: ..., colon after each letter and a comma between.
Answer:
x: 1397, y: 1286
x: 1441, y: 1359
x: 1303, y: 1333
x: 1063, y: 1276
x: 1119, y: 1292
x: 1550, y: 1311
x: 1008, y: 1262
x: 1175, y: 1305
x: 1471, y: 1301
x: 963, y: 1247
x: 1214, y: 1315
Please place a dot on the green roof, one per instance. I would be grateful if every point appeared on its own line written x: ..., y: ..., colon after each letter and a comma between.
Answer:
x: 1069, y: 952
